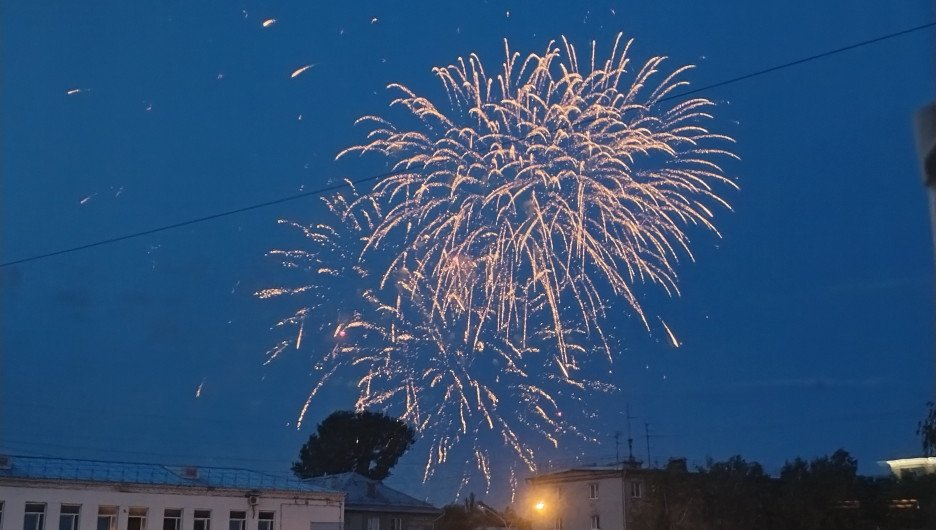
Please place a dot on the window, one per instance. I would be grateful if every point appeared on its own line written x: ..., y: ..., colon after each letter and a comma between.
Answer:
x: 396, y: 523
x: 593, y: 490
x: 373, y: 523
x: 266, y: 521
x: 202, y: 520
x: 238, y: 521
x: 136, y: 519
x: 34, y: 517
x: 68, y: 517
x: 107, y: 518
x: 172, y: 519
x: 596, y: 523
x: 635, y: 489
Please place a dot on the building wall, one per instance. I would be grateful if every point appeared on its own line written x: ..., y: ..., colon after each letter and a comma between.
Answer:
x: 359, y: 520
x: 568, y: 500
x: 299, y: 511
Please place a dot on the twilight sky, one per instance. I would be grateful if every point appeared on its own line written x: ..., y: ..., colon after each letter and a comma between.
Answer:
x: 806, y: 328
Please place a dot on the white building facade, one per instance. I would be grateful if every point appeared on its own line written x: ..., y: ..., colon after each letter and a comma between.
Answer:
x: 58, y: 494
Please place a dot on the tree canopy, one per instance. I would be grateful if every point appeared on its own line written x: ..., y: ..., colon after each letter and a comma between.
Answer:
x: 926, y: 430
x: 368, y: 443
x: 473, y: 514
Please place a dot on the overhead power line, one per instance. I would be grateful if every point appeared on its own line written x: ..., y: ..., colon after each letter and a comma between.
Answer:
x: 804, y: 60
x: 319, y: 191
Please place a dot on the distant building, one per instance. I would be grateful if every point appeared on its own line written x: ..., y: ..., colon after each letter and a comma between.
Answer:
x: 371, y: 505
x: 594, y: 497
x: 60, y: 494
x: 924, y: 465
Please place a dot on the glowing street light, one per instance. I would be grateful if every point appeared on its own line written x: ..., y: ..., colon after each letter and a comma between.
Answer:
x: 539, y: 506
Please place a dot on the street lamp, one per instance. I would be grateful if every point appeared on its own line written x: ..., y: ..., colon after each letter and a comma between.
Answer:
x: 539, y: 506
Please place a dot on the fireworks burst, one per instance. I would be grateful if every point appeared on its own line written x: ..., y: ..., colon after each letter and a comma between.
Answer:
x: 512, y: 221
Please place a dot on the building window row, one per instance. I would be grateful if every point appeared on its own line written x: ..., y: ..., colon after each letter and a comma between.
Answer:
x: 265, y: 521
x: 202, y: 520
x: 172, y: 519
x: 68, y: 517
x: 35, y: 512
x: 35, y: 516
x: 106, y: 518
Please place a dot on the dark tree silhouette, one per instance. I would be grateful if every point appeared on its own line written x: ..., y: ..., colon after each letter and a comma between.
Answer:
x: 369, y: 443
x: 926, y: 430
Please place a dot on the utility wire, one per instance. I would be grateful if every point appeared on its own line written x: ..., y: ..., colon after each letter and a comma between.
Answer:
x: 319, y: 191
x: 804, y: 60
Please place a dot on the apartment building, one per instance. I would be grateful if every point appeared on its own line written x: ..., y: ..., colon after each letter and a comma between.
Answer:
x: 38, y: 493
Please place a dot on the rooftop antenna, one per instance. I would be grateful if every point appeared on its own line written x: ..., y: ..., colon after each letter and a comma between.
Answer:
x: 647, y: 432
x: 630, y: 439
x: 648, y: 436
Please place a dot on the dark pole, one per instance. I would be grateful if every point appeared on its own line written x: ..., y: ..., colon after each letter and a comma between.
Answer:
x: 647, y: 432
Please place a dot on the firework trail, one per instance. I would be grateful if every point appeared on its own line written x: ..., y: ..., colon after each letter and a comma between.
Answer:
x: 512, y: 220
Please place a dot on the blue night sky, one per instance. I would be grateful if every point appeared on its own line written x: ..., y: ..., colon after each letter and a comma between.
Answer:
x: 806, y: 328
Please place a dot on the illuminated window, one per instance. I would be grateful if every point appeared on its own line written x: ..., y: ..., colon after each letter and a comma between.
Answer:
x: 266, y: 521
x: 593, y: 490
x: 238, y: 520
x: 396, y: 523
x: 596, y: 523
x: 34, y: 517
x: 107, y: 518
x: 136, y: 519
x: 202, y: 520
x: 373, y: 523
x: 172, y: 519
x: 635, y: 490
x: 68, y: 517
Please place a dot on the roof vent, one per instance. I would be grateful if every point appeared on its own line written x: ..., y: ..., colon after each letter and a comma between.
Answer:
x: 190, y: 472
x: 6, y: 462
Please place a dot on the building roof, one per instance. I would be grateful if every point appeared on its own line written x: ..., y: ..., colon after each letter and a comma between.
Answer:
x: 578, y: 473
x: 364, y: 494
x: 924, y: 465
x: 596, y: 472
x: 61, y: 469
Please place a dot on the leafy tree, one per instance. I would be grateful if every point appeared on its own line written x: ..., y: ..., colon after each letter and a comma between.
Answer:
x: 821, y: 493
x: 926, y: 430
x: 456, y: 516
x: 369, y: 443
x: 735, y: 494
x: 472, y: 514
x: 467, y: 515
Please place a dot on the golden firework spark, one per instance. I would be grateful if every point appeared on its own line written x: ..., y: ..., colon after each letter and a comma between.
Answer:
x: 300, y: 70
x: 512, y: 222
